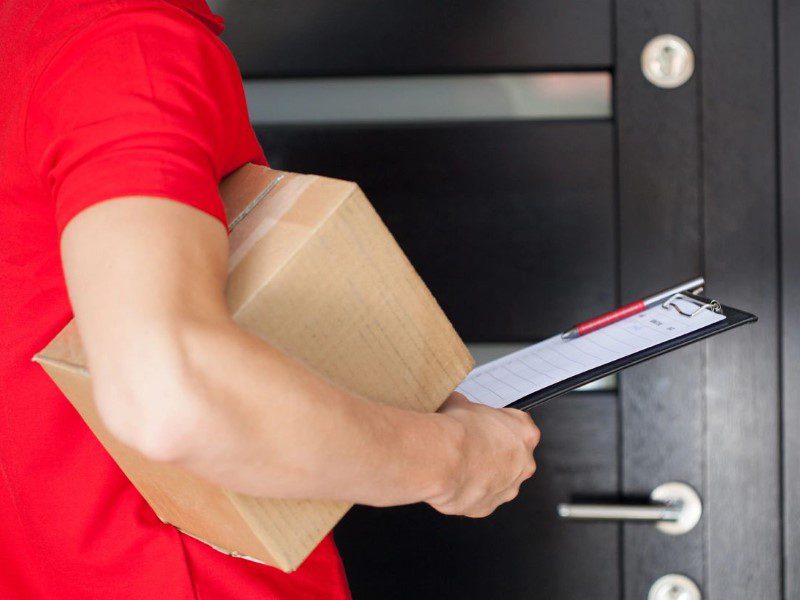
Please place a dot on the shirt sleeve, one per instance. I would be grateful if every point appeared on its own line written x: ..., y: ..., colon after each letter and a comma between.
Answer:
x: 140, y: 103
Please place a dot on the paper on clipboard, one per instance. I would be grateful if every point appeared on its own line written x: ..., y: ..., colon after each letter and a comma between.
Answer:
x: 524, y: 372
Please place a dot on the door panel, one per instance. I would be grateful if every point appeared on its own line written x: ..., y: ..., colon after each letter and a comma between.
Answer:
x: 789, y: 23
x: 663, y: 401
x: 349, y: 37
x: 741, y: 246
x: 522, y: 550
x: 517, y: 244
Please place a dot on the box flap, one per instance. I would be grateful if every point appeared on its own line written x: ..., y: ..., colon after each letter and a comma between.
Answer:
x: 65, y: 351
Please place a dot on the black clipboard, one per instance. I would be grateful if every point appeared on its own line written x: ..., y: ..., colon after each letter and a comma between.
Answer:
x: 733, y: 318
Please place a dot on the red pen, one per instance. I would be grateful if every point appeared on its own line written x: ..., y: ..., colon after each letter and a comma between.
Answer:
x: 631, y: 309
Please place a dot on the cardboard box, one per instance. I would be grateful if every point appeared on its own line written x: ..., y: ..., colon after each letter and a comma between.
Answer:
x: 314, y: 271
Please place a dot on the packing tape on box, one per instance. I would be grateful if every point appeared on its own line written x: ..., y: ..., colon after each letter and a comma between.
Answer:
x: 246, y: 234
x: 255, y: 202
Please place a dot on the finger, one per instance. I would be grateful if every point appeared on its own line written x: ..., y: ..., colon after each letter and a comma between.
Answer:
x: 526, y: 473
x: 510, y: 494
x: 477, y: 508
x: 524, y: 419
x: 446, y: 509
x: 520, y: 415
x: 533, y: 435
x: 482, y: 511
x: 455, y: 508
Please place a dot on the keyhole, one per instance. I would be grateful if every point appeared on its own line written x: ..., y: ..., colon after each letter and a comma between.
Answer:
x: 676, y: 593
x: 667, y: 61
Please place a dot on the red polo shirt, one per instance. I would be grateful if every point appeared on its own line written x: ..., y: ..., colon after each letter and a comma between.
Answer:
x: 98, y: 99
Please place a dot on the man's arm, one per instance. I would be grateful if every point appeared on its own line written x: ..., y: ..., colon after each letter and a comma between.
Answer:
x: 177, y: 379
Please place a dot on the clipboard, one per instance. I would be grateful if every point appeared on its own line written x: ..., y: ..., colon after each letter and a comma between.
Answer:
x: 733, y: 318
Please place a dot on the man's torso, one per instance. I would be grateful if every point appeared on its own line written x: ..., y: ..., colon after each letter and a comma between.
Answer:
x: 74, y: 527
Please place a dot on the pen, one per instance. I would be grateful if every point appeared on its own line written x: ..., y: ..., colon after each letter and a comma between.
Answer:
x: 631, y: 309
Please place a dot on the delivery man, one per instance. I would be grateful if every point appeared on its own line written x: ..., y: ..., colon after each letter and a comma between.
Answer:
x: 118, y: 118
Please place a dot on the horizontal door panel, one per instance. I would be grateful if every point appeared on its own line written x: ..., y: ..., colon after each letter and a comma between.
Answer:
x: 522, y: 550
x: 319, y: 37
x: 512, y: 225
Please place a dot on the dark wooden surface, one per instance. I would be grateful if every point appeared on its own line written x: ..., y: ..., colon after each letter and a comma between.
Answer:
x: 662, y: 402
x: 356, y: 37
x: 742, y: 496
x: 523, y: 550
x: 789, y: 50
x: 511, y: 225
x: 526, y: 209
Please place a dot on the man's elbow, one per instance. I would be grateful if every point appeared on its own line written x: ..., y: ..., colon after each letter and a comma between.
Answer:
x: 152, y: 406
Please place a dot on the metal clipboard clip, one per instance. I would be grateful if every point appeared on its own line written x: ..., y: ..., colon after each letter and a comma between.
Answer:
x: 679, y: 303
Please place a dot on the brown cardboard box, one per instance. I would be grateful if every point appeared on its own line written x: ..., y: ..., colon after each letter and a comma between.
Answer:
x: 314, y: 271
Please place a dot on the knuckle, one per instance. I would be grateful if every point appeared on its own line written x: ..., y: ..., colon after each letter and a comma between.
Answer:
x: 484, y: 512
x: 481, y: 509
x: 521, y: 416
x: 451, y: 508
x: 483, y: 491
x: 516, y: 416
x: 529, y: 470
x: 456, y: 511
x: 529, y: 440
x: 445, y: 509
x: 471, y: 512
x: 533, y: 435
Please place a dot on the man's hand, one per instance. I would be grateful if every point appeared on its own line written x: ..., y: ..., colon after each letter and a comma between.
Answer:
x: 496, y: 456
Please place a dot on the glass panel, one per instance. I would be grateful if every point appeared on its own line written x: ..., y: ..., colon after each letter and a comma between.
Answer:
x: 430, y: 98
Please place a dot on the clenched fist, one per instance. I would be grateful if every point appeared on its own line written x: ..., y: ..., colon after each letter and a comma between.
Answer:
x: 495, y: 455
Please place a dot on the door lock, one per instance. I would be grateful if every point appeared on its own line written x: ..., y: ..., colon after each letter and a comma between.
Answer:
x: 667, y: 61
x: 674, y: 587
x: 674, y: 508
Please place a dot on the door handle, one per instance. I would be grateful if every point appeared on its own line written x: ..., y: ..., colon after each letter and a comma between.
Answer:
x: 674, y: 508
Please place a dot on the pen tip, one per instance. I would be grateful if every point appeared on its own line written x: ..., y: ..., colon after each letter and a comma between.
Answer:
x: 568, y: 335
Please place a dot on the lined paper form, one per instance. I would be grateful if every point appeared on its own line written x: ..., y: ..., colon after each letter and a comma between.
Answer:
x: 511, y: 378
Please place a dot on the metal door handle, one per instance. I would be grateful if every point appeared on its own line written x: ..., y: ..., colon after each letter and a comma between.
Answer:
x: 621, y: 512
x: 674, y: 508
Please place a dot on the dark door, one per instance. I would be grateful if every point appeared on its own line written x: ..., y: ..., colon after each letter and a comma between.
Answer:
x: 534, y: 177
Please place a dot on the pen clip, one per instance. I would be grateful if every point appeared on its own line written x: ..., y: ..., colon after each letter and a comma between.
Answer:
x: 671, y: 302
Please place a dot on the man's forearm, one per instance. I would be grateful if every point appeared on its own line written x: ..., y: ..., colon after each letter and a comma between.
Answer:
x: 247, y: 416
x: 177, y: 379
